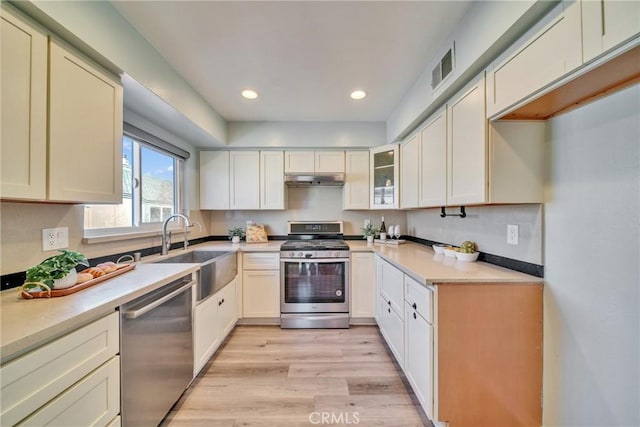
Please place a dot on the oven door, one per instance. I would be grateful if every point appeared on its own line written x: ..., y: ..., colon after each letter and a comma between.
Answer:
x: 314, y: 285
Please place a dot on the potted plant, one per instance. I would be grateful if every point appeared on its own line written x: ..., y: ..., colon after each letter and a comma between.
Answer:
x: 236, y: 233
x: 58, y: 271
x: 369, y: 232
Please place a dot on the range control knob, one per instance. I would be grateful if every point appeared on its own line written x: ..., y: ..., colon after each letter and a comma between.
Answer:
x: 292, y: 254
x: 300, y: 254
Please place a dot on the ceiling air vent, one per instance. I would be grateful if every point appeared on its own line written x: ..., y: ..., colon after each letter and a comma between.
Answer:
x: 442, y: 69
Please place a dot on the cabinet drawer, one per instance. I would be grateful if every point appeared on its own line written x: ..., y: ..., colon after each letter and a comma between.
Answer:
x: 94, y: 401
x: 37, y: 377
x: 261, y: 261
x: 422, y: 297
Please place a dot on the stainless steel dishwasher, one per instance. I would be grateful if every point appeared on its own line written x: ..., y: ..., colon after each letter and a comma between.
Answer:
x: 156, y: 352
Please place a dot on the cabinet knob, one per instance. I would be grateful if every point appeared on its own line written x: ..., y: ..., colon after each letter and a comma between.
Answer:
x: 389, y: 310
x: 220, y: 302
x: 415, y: 307
x: 414, y: 316
x: 389, y: 302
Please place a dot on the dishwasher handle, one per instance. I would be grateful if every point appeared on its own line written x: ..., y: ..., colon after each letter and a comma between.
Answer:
x: 132, y: 314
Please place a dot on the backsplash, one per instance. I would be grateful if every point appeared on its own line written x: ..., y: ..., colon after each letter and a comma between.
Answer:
x: 306, y: 204
x: 487, y: 226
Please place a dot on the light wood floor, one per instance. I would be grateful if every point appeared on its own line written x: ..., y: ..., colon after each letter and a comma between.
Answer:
x: 266, y: 376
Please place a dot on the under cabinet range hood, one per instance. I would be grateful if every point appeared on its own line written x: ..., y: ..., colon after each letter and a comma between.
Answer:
x: 316, y: 179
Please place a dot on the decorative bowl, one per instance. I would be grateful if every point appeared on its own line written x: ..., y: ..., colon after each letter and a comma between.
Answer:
x: 439, y: 249
x: 468, y: 257
x: 449, y: 251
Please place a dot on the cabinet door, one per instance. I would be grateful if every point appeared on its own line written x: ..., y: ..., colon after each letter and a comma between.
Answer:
x: 214, y: 180
x: 244, y: 176
x: 433, y: 161
x: 329, y: 162
x: 227, y: 314
x: 393, y: 287
x: 261, y: 293
x: 299, y: 161
x: 608, y: 23
x: 410, y: 171
x: 363, y: 289
x: 419, y: 358
x: 93, y: 401
x: 384, y: 177
x: 23, y: 53
x: 392, y: 328
x: 85, y: 130
x: 551, y: 49
x: 356, y: 184
x: 272, y: 191
x: 378, y: 262
x: 467, y: 146
x: 206, y: 335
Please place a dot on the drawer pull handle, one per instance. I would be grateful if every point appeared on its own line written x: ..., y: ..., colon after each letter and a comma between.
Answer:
x: 389, y: 310
x: 414, y: 316
x: 415, y: 307
x: 389, y: 302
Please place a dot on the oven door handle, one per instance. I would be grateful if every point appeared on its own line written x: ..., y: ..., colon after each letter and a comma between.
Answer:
x: 318, y: 260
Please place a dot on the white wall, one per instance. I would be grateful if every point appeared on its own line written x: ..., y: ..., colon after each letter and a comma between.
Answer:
x: 487, y: 226
x: 592, y: 266
x: 97, y: 26
x: 306, y: 134
x: 485, y: 31
x: 305, y: 204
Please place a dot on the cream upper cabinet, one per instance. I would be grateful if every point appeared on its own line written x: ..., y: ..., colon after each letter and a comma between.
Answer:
x: 383, y: 165
x: 356, y: 182
x: 85, y: 130
x: 552, y: 48
x: 410, y: 171
x: 214, y: 180
x: 272, y: 190
x: 244, y: 175
x: 23, y: 53
x: 329, y: 161
x: 301, y: 161
x: 467, y: 146
x: 433, y: 161
x: 606, y: 24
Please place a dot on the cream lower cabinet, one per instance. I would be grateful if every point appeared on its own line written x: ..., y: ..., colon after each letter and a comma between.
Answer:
x: 606, y: 24
x: 213, y: 319
x: 363, y: 288
x: 390, y: 307
x: 61, y: 125
x: 392, y: 328
x: 261, y: 285
x: 74, y: 380
x: 419, y: 342
x: 356, y: 180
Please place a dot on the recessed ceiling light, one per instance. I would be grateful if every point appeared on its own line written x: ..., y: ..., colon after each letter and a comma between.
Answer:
x: 250, y: 94
x: 358, y: 94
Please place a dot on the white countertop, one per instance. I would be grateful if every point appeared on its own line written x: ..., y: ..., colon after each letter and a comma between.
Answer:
x: 29, y: 323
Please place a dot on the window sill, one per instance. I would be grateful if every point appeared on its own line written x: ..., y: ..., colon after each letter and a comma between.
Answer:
x: 129, y: 235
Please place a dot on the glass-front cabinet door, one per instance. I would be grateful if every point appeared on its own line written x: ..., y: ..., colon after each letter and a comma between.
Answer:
x: 384, y: 177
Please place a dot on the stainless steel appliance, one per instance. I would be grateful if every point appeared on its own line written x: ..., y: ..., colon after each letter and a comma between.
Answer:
x: 156, y: 352
x: 314, y: 276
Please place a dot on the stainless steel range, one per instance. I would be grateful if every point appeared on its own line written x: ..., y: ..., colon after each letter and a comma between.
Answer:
x: 314, y: 276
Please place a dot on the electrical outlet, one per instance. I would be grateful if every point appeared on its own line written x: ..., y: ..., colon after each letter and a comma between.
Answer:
x: 55, y: 238
x: 512, y: 234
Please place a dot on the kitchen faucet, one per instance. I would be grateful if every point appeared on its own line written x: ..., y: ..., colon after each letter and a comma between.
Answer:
x: 166, y: 243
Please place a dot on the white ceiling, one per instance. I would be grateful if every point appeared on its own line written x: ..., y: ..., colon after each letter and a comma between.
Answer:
x: 304, y: 58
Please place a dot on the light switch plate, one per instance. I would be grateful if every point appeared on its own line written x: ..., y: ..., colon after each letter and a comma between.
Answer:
x: 55, y: 238
x: 512, y: 234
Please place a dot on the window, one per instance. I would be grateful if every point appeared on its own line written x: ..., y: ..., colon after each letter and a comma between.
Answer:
x: 150, y: 189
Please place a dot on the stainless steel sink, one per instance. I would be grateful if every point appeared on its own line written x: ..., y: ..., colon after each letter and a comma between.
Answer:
x: 217, y: 268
